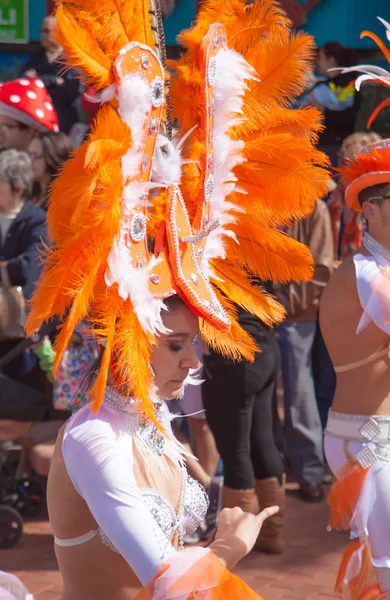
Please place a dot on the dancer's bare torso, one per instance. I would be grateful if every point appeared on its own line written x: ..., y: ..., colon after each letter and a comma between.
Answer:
x: 363, y: 389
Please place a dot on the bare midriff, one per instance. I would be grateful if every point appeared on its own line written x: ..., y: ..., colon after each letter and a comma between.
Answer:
x: 365, y: 390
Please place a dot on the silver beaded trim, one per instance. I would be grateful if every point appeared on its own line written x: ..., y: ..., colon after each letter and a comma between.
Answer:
x: 146, y: 430
x: 379, y: 145
x: 373, y: 246
x: 212, y: 71
x: 348, y: 417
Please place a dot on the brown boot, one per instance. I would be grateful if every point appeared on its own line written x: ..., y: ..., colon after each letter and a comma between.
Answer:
x: 270, y: 493
x: 244, y: 499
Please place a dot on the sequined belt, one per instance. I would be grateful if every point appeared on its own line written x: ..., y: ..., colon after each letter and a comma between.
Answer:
x: 359, y: 428
x: 374, y: 431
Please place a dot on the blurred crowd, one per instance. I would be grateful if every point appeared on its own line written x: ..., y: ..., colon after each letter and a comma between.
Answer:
x: 248, y: 424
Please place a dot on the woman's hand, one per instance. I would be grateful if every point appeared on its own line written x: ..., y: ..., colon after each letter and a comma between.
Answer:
x: 237, y: 533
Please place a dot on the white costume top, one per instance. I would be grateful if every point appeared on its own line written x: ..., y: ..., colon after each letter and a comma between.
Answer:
x: 136, y: 522
x: 373, y: 285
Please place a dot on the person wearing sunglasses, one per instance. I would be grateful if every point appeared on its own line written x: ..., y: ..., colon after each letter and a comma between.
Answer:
x: 355, y: 322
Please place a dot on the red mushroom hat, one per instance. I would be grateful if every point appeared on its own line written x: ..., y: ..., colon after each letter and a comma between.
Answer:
x: 27, y: 100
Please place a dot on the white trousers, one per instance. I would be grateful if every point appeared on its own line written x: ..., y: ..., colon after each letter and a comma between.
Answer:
x: 372, y: 514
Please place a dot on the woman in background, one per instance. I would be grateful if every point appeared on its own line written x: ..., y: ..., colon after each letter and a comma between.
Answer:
x: 335, y: 96
x: 48, y: 151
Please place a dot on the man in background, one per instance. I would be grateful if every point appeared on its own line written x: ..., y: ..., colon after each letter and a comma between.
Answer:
x: 64, y: 88
x: 303, y: 429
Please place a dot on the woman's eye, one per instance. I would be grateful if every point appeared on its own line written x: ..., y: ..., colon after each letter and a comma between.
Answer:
x: 175, y: 347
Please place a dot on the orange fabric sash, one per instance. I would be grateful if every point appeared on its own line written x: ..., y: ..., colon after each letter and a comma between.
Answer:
x: 356, y: 575
x: 205, y: 576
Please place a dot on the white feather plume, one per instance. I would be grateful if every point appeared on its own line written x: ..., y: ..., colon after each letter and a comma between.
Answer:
x: 167, y: 162
x: 232, y: 72
x: 370, y: 72
x: 135, y: 103
x: 387, y: 27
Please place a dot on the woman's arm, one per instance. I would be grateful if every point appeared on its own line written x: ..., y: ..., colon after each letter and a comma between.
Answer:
x: 100, y: 468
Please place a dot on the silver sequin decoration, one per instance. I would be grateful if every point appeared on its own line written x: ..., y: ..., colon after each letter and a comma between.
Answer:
x: 151, y: 436
x: 370, y: 429
x: 196, y: 503
x: 161, y: 510
x: 366, y: 457
x: 138, y: 227
x: 146, y: 430
x: 157, y: 91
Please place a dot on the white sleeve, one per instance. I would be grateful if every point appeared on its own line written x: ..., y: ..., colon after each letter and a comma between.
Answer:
x: 373, y: 286
x: 98, y: 463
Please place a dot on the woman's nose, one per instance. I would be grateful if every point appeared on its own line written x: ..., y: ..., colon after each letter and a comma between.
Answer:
x: 191, y: 361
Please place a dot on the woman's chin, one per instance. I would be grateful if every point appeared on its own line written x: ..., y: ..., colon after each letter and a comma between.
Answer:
x: 172, y: 391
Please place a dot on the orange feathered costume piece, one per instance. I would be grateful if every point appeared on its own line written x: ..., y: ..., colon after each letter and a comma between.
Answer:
x: 249, y: 168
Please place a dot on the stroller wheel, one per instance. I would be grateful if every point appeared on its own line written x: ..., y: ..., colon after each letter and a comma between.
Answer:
x: 11, y: 527
x: 31, y: 496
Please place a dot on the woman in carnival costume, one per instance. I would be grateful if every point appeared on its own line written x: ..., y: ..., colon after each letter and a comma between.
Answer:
x: 355, y: 321
x: 152, y: 248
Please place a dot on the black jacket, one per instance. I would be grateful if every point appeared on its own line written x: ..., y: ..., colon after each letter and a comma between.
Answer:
x: 63, y: 96
x: 22, y: 246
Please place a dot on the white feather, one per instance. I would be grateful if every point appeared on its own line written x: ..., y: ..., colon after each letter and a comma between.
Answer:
x: 362, y: 78
x: 134, y: 100
x: 387, y: 25
x: 134, y: 103
x: 232, y: 72
x: 167, y: 162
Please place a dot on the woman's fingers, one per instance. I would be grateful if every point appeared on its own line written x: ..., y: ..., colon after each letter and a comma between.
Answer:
x: 267, y: 512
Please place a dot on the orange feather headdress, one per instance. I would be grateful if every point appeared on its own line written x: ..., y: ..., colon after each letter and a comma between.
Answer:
x: 370, y: 167
x: 212, y: 205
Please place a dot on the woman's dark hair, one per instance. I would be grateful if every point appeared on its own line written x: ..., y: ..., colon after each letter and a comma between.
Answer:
x: 57, y: 148
x: 344, y: 57
x: 174, y: 302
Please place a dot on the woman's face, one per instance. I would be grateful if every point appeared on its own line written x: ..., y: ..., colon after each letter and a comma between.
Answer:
x: 9, y: 198
x: 325, y: 62
x: 38, y: 162
x: 175, y: 354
